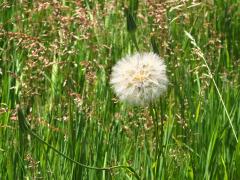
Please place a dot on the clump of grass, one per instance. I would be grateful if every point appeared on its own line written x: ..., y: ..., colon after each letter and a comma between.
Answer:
x: 56, y: 60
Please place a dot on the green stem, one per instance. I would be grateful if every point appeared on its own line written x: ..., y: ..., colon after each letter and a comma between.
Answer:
x: 159, y: 137
x: 154, y: 117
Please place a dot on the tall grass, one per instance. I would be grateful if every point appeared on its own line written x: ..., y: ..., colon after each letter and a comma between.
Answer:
x: 58, y: 112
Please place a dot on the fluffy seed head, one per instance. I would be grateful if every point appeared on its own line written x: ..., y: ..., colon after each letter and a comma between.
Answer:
x: 140, y: 78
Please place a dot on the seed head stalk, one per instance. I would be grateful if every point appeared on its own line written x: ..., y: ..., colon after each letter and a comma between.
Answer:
x: 157, y: 135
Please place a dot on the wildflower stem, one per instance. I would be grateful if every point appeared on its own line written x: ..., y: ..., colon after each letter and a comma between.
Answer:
x: 158, y: 147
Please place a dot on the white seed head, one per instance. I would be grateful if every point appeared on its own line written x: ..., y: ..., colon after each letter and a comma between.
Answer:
x: 140, y: 78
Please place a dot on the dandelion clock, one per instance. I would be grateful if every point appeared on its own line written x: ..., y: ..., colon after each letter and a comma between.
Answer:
x: 140, y: 78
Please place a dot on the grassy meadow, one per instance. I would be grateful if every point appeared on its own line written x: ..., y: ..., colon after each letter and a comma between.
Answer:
x: 60, y: 119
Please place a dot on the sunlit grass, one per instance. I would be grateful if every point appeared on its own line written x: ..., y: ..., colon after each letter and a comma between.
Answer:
x: 55, y: 64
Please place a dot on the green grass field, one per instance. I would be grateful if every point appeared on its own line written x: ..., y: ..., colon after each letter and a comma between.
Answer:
x: 58, y: 109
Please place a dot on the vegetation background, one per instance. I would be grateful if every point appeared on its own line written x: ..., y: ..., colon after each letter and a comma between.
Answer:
x: 55, y: 62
